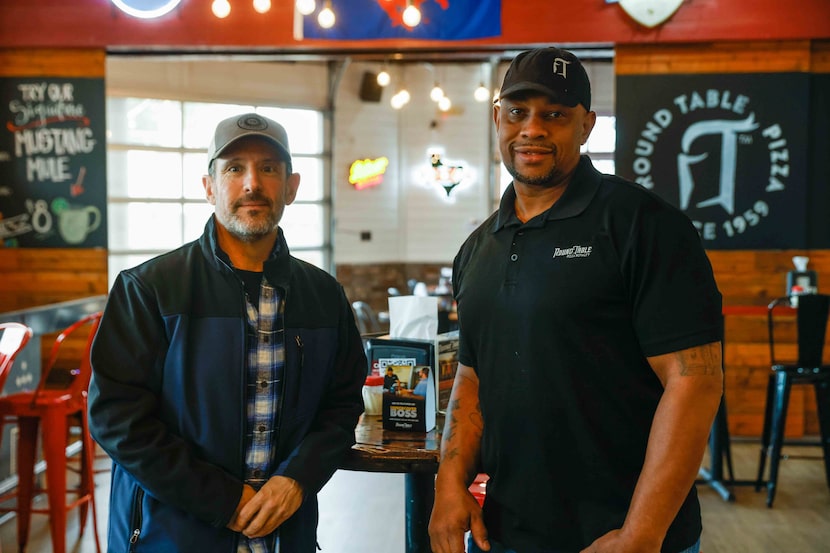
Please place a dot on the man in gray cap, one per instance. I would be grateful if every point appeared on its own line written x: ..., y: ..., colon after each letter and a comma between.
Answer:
x: 589, y: 357
x: 227, y: 374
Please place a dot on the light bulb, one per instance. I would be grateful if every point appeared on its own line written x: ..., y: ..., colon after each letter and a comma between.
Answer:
x: 397, y: 101
x: 326, y: 18
x: 383, y: 78
x: 262, y: 6
x: 444, y: 104
x: 404, y: 94
x: 411, y: 16
x: 436, y: 93
x: 305, y: 7
x: 221, y: 8
x: 482, y: 93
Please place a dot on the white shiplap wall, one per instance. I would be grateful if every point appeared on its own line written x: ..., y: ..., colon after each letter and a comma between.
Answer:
x: 409, y: 221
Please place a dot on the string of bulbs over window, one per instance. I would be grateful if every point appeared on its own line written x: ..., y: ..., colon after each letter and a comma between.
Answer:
x: 436, y: 94
x: 326, y: 18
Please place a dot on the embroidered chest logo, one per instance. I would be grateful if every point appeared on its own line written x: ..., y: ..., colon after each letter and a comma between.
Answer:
x: 572, y: 252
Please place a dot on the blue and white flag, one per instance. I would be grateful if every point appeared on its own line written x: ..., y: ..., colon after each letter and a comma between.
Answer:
x: 379, y: 19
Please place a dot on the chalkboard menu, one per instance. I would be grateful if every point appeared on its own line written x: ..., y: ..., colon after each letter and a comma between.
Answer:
x: 53, y: 162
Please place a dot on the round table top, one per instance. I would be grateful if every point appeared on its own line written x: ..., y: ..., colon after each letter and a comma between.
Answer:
x: 379, y: 450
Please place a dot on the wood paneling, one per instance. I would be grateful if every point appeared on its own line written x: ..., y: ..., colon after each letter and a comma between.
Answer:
x: 730, y: 57
x: 52, y: 63
x: 754, y: 278
x: 32, y: 277
x: 820, y: 62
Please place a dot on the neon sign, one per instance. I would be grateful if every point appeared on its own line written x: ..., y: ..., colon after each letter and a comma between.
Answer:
x: 366, y: 173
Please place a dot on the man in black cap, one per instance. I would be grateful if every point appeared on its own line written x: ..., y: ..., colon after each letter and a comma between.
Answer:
x: 227, y: 374
x: 589, y: 358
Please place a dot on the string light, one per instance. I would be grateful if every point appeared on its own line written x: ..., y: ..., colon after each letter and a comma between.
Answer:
x: 221, y: 8
x: 305, y: 7
x: 436, y: 93
x: 262, y: 6
x: 482, y: 93
x: 326, y: 17
x: 384, y: 78
x: 411, y: 15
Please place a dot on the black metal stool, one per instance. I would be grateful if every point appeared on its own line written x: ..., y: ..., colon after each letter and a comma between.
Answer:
x: 811, y: 327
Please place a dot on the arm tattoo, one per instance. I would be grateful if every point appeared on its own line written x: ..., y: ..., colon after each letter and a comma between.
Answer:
x: 700, y: 361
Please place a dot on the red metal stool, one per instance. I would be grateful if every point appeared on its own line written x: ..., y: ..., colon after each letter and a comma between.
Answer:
x: 54, y: 410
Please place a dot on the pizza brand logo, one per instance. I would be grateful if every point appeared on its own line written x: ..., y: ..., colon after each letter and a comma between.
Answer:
x: 573, y: 251
x: 711, y: 134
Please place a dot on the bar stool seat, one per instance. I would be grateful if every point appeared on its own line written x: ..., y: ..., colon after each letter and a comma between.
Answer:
x: 51, y: 413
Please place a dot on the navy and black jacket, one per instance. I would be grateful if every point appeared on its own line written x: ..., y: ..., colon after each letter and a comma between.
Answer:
x: 167, y: 399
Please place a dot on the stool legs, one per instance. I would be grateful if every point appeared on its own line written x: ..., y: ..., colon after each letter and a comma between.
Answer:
x: 54, y: 450
x: 53, y: 430
x: 823, y: 407
x: 779, y: 418
x: 762, y: 461
x: 26, y: 456
x: 87, y: 481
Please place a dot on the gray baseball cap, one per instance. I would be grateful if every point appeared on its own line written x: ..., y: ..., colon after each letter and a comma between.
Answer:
x: 233, y: 128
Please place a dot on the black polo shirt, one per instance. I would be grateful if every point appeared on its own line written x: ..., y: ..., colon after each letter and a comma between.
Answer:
x: 557, y: 316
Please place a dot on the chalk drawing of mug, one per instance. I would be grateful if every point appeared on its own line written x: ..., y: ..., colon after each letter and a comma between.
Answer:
x: 75, y: 223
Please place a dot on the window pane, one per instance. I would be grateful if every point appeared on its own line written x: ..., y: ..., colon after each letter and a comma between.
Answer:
x: 143, y: 174
x: 117, y: 263
x: 603, y: 136
x: 195, y: 218
x: 604, y: 165
x: 144, y: 121
x: 504, y: 179
x: 304, y: 128
x: 311, y: 178
x: 303, y: 225
x: 195, y: 167
x: 144, y: 226
x: 315, y: 257
x: 200, y: 121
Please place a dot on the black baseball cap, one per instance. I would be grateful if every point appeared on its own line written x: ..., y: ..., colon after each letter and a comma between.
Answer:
x: 233, y: 128
x: 552, y: 71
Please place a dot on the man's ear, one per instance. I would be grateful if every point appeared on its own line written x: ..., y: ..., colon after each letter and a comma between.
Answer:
x: 292, y: 184
x: 207, y: 183
x: 588, y: 123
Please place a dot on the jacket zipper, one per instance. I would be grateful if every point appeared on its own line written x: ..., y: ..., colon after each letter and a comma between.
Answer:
x: 301, y: 351
x: 137, y: 519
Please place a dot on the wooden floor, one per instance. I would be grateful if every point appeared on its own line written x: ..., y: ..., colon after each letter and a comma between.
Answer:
x: 364, y: 512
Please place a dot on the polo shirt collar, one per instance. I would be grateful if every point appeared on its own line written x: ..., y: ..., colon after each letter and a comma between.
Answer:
x: 584, y: 184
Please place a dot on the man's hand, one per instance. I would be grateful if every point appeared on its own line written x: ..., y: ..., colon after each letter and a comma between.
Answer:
x: 455, y: 513
x: 272, y: 505
x: 616, y: 541
x: 248, y: 493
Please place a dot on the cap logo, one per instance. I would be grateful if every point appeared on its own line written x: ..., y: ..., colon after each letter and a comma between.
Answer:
x: 560, y: 67
x: 252, y: 123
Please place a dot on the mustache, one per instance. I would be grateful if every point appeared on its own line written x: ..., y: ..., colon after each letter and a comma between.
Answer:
x: 257, y: 198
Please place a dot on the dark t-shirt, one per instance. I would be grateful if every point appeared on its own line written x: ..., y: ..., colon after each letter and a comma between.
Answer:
x: 557, y: 316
